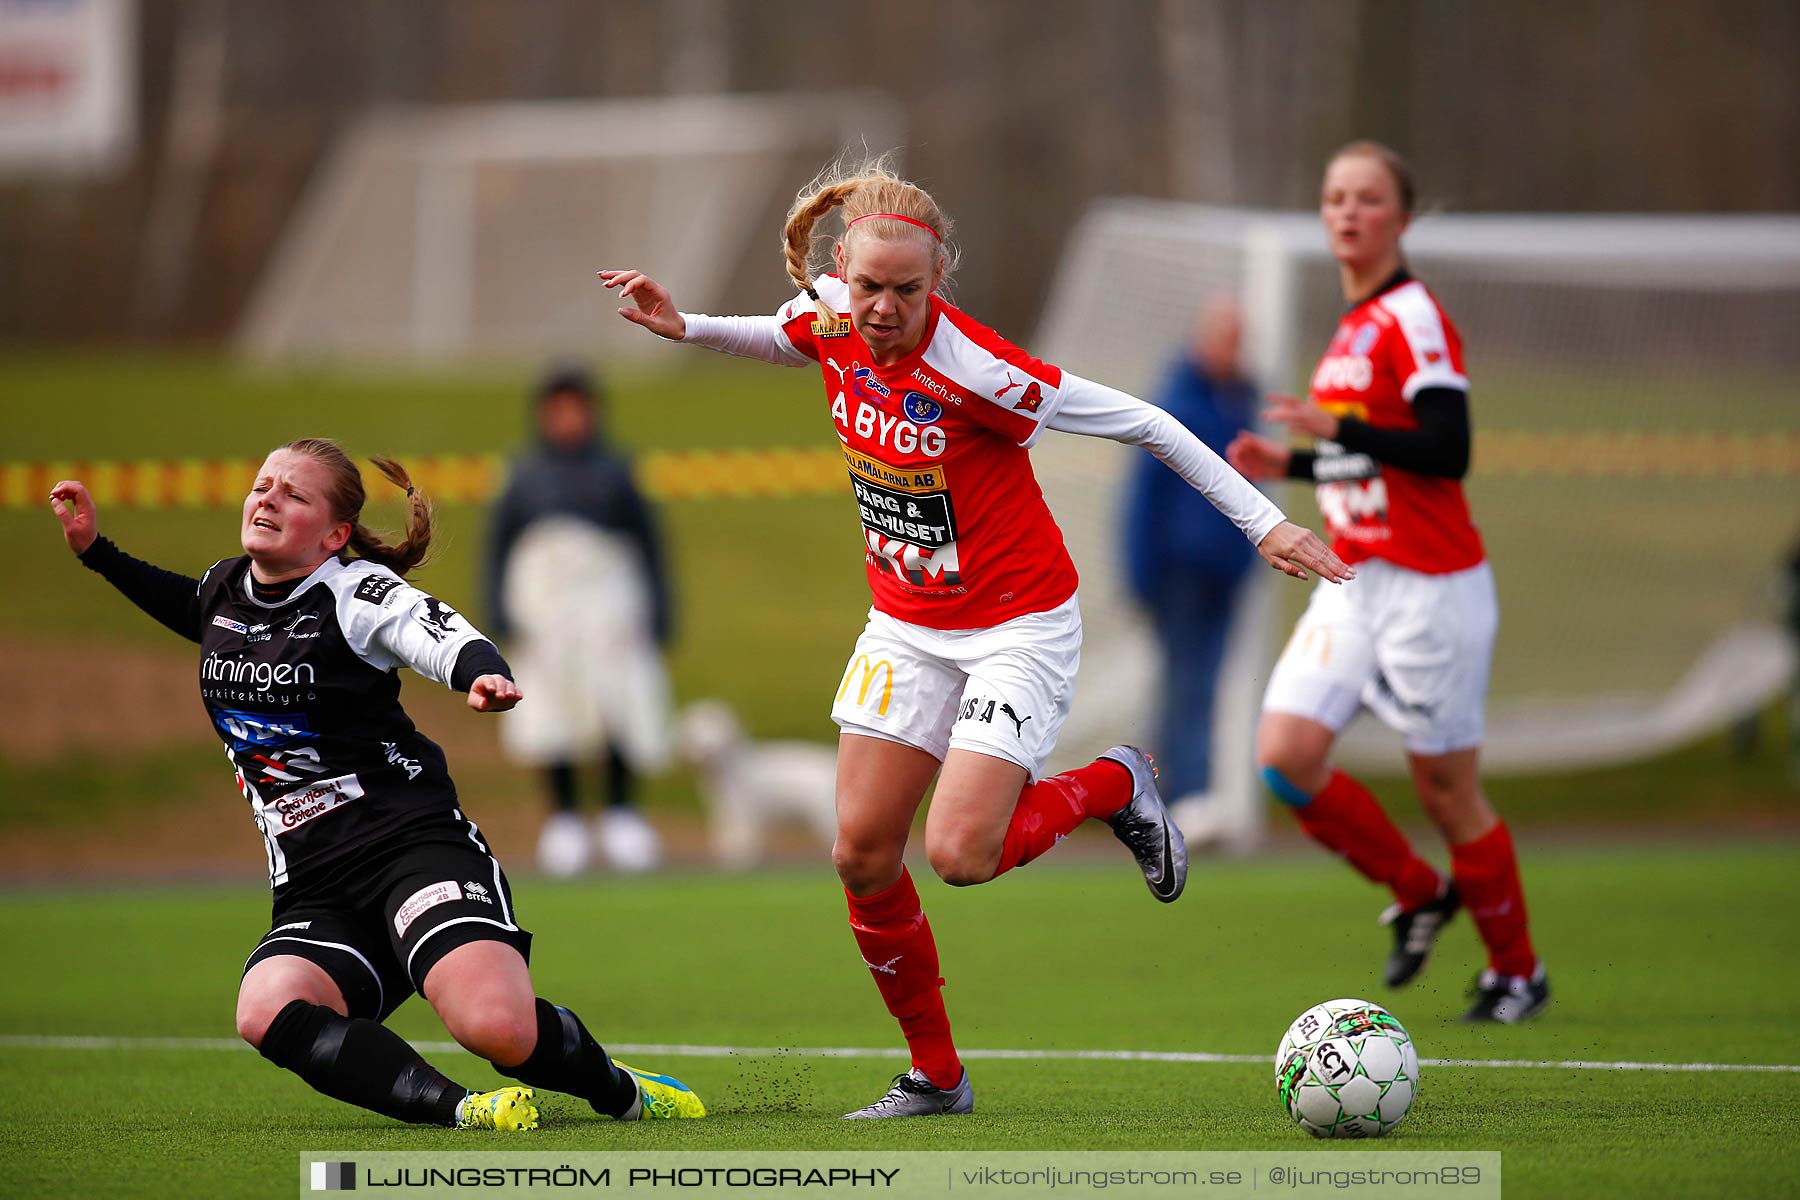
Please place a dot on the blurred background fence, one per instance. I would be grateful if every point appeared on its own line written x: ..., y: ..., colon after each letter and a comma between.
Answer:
x: 390, y: 212
x: 1018, y: 113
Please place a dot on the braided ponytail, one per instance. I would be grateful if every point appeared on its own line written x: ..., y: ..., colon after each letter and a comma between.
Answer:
x: 346, y: 496
x: 868, y: 188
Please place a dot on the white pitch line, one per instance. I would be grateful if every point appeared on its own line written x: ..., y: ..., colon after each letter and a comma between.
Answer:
x: 683, y: 1050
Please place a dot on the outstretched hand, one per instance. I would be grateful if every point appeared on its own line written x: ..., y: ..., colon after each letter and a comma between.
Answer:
x: 1257, y: 457
x: 70, y: 501
x: 654, y: 310
x: 1291, y: 549
x: 1303, y: 415
x: 493, y: 693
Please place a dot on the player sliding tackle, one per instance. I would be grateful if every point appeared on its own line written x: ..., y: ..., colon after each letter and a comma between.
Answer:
x: 966, y: 667
x: 382, y: 887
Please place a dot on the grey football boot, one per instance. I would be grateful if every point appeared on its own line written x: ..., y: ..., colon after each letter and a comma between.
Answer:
x: 914, y: 1096
x: 1146, y: 829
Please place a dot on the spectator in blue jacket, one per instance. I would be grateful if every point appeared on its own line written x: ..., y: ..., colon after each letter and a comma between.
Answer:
x: 1184, y: 560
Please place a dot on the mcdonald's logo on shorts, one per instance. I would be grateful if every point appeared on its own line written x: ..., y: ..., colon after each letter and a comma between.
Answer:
x: 866, y: 683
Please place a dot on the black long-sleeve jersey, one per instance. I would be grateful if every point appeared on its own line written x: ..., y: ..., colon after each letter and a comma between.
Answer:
x: 305, y: 694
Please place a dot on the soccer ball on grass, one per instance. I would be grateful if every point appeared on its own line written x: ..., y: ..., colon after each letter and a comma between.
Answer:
x: 1346, y: 1069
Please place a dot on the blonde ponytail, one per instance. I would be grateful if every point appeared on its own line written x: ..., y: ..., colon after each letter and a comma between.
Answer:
x: 867, y: 188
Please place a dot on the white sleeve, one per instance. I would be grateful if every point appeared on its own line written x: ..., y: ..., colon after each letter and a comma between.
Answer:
x: 1095, y: 410
x: 760, y: 338
x: 390, y: 623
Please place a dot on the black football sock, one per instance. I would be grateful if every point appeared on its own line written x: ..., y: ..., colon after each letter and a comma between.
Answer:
x: 621, y: 783
x: 360, y: 1062
x: 565, y: 795
x: 568, y: 1059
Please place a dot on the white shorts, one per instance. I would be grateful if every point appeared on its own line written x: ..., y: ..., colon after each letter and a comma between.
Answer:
x: 1003, y: 691
x: 1414, y: 649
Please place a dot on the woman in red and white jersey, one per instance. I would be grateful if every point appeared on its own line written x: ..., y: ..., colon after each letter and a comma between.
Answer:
x: 966, y: 667
x: 1412, y: 637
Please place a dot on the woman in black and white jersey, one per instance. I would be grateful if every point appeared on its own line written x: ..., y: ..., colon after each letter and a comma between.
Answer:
x: 382, y: 886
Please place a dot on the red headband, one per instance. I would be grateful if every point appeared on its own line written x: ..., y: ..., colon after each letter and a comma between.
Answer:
x: 894, y: 217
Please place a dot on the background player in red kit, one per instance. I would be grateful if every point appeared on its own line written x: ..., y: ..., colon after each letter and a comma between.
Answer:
x: 1412, y: 638
x: 968, y: 660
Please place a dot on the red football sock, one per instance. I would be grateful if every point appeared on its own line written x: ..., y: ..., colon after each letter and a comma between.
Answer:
x: 1487, y: 874
x: 1050, y: 809
x: 897, y: 947
x: 1346, y: 819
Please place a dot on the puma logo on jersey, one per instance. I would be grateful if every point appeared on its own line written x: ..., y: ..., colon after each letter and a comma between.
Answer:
x: 1016, y: 719
x: 1011, y: 383
x: 832, y: 363
x: 886, y: 968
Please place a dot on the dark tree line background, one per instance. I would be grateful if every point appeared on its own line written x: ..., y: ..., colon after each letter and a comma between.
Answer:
x: 1018, y: 113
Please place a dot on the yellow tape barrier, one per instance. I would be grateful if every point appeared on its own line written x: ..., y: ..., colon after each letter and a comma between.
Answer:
x: 779, y: 473
x: 464, y: 479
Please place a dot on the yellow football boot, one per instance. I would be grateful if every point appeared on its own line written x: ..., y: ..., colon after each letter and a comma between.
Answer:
x: 659, y: 1097
x: 504, y: 1108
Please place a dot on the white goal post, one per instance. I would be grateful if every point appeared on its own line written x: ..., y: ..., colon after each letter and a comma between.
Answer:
x: 454, y: 233
x: 1636, y: 471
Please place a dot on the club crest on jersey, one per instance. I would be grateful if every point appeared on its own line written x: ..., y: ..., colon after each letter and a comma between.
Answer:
x: 921, y: 409
x: 228, y: 623
x: 838, y: 328
x: 866, y: 383
x: 436, y: 618
x: 1364, y: 341
x: 1031, y: 400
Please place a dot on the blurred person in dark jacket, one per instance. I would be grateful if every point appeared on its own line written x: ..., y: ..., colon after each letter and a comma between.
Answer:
x: 1184, y: 560
x: 576, y: 581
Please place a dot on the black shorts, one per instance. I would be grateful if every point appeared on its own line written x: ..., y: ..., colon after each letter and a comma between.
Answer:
x: 380, y: 922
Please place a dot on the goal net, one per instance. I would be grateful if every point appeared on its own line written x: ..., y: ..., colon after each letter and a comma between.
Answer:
x: 1636, y: 470
x: 442, y: 234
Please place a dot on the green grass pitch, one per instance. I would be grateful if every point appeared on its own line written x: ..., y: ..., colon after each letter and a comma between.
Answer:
x: 1680, y: 954
x: 1669, y: 955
